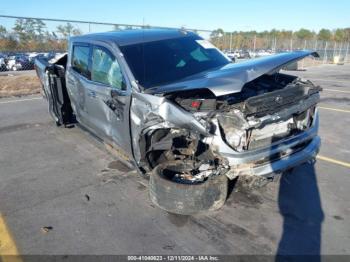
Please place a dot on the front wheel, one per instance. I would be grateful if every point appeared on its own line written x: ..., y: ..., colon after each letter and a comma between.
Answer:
x: 186, y: 199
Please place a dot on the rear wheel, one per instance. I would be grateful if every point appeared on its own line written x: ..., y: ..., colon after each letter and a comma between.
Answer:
x: 185, y: 198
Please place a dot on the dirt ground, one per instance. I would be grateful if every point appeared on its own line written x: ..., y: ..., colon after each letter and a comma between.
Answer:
x: 19, y: 85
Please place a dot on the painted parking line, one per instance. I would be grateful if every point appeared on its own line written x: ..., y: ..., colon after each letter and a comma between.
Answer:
x: 336, y: 90
x: 334, y: 109
x: 20, y: 100
x: 329, y: 80
x: 333, y: 161
x: 8, y: 248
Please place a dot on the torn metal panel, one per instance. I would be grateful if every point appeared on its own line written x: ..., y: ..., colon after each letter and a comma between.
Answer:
x: 235, y: 158
x: 152, y: 112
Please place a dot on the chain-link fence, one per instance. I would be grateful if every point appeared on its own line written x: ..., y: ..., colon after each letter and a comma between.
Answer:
x: 253, y: 46
x: 22, y: 39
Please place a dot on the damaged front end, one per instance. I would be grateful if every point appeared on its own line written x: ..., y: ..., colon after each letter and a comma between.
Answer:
x: 163, y: 132
x: 271, y: 132
x: 267, y: 125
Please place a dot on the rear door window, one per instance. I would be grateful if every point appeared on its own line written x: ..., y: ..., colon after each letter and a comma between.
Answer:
x: 80, y: 60
x: 106, y: 69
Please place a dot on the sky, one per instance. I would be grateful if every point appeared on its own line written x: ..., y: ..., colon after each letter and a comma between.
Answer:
x: 202, y: 14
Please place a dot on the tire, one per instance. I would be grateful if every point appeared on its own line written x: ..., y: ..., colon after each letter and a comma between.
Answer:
x: 186, y: 199
x: 14, y: 68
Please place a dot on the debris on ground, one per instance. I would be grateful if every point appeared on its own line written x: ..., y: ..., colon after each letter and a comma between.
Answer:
x: 46, y: 229
x: 119, y: 165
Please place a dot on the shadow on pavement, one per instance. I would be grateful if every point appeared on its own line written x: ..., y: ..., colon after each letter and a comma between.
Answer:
x: 300, y: 205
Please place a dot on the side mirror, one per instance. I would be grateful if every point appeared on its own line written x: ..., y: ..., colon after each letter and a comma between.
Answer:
x: 124, y: 85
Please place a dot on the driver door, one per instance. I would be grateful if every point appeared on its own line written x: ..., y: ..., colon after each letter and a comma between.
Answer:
x: 107, y: 98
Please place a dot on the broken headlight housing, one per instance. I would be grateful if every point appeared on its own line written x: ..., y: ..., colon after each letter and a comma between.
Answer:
x: 235, y: 138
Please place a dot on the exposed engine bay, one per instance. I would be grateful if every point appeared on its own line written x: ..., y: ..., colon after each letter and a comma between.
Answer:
x: 269, y: 110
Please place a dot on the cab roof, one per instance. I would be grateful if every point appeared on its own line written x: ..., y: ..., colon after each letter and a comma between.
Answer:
x: 133, y: 36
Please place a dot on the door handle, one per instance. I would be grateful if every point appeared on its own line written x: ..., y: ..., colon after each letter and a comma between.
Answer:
x: 92, y: 94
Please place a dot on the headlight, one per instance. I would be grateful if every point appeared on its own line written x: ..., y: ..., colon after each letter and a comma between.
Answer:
x: 234, y: 137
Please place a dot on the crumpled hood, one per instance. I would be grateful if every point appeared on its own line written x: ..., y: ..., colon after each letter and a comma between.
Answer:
x: 232, y: 77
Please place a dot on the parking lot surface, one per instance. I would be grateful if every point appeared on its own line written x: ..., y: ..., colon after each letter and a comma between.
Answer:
x: 61, y: 192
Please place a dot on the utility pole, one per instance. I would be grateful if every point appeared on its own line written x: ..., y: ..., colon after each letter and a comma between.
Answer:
x: 254, y: 48
x: 325, y: 56
x: 291, y: 44
x: 223, y: 42
x: 230, y: 42
x: 302, y: 66
x: 340, y: 48
x: 334, y: 47
x: 346, y: 54
x: 315, y: 49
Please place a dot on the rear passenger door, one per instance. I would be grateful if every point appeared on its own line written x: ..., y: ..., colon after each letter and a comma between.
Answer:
x: 77, y: 76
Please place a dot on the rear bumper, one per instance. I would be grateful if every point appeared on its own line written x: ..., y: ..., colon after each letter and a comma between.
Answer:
x: 291, y: 152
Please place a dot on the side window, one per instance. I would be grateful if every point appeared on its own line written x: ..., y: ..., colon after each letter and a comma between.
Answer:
x: 105, y: 69
x: 80, y: 59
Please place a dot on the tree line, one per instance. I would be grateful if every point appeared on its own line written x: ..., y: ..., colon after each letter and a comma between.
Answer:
x: 278, y: 38
x: 34, y: 35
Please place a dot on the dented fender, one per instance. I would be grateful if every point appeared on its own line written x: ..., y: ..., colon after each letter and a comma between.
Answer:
x: 153, y: 112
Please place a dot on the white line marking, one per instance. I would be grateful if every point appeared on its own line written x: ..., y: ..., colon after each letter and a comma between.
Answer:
x: 334, y: 109
x: 334, y: 161
x: 336, y: 90
x: 20, y: 100
x: 327, y: 80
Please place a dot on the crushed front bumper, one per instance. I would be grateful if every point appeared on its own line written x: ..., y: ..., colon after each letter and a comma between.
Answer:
x: 290, y: 152
x: 294, y: 159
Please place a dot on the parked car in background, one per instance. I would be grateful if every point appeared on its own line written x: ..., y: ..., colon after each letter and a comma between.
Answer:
x: 262, y: 53
x: 3, y: 66
x: 231, y: 56
x: 244, y: 54
x: 183, y: 113
x: 19, y: 62
x: 237, y: 54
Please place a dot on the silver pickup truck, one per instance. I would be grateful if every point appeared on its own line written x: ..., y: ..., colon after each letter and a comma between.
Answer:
x: 187, y: 117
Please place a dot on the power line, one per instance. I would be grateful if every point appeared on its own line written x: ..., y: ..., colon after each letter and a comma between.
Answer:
x: 98, y: 23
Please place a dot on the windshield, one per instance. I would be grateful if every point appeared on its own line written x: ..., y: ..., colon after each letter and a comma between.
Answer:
x: 165, y: 61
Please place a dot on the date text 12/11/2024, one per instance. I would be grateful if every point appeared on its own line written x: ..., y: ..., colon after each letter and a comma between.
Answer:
x: 173, y: 258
